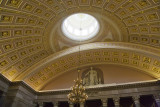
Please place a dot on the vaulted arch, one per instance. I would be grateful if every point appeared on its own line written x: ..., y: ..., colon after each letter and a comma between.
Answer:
x: 140, y: 57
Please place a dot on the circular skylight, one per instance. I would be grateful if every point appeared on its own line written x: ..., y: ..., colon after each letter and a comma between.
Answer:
x: 80, y: 27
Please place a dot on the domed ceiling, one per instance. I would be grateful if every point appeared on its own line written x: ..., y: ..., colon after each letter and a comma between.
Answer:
x: 33, y: 48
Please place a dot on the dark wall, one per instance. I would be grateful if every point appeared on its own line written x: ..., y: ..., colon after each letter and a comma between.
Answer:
x: 63, y: 104
x: 148, y: 101
x: 93, y: 103
x: 126, y: 102
x: 2, y: 98
x: 48, y: 104
x: 110, y: 103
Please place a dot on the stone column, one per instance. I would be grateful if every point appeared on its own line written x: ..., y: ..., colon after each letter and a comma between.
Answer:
x: 136, y: 101
x: 55, y: 104
x: 81, y: 104
x: 71, y: 104
x: 104, y: 102
x: 116, y: 102
x: 40, y: 104
x: 157, y: 99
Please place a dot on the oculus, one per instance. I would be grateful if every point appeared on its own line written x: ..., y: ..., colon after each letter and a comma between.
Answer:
x: 80, y: 27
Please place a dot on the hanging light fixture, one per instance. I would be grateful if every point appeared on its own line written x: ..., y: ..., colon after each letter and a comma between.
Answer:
x: 77, y: 94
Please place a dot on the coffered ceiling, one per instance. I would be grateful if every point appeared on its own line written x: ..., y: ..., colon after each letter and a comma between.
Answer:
x: 34, y: 50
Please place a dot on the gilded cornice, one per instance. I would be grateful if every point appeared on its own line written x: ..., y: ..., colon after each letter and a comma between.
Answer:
x: 104, y: 88
x: 107, y: 87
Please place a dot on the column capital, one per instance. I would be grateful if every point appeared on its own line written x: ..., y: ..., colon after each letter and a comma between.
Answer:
x: 55, y: 102
x: 156, y: 96
x: 136, y: 100
x: 82, y: 104
x: 157, y: 99
x: 136, y: 97
x: 116, y: 100
x: 70, y: 104
x: 104, y: 102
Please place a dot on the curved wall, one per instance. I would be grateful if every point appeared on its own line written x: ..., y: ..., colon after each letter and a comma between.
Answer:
x: 112, y: 74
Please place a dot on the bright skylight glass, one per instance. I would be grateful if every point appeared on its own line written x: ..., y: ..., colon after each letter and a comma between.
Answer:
x: 80, y: 27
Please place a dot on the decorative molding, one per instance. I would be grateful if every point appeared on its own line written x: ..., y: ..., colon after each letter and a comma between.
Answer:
x: 106, y: 87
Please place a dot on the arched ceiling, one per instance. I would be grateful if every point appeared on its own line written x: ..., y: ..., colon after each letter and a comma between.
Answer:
x: 136, y: 56
x: 30, y: 36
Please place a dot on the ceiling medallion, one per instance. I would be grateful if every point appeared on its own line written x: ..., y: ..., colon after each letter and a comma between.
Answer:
x: 80, y: 27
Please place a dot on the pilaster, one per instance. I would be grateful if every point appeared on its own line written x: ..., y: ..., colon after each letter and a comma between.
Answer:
x: 55, y: 103
x: 81, y: 104
x: 116, y: 101
x: 136, y: 100
x: 157, y: 99
x: 71, y: 104
x: 104, y: 102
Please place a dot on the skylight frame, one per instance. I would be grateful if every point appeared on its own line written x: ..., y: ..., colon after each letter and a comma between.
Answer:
x: 83, y: 32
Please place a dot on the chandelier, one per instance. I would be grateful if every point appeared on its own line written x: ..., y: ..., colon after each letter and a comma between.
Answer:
x: 77, y: 94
